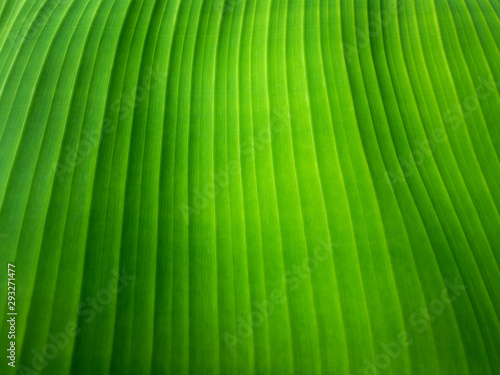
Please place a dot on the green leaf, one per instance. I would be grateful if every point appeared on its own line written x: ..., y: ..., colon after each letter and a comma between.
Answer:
x: 250, y: 187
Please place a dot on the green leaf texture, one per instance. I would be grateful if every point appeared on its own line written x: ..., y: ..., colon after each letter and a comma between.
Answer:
x: 251, y: 186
